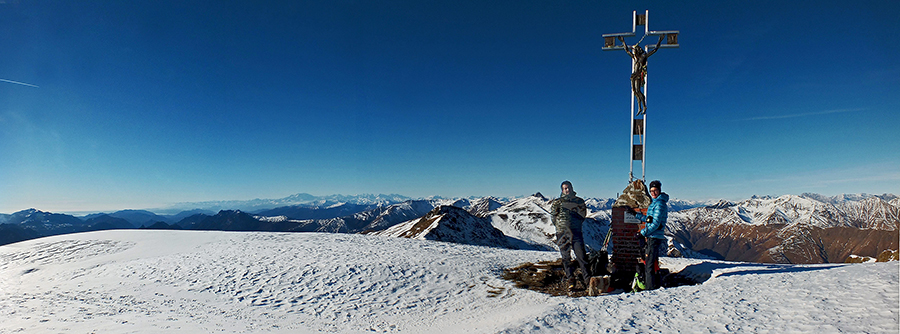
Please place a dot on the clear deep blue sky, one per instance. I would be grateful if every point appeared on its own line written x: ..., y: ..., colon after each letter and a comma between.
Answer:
x: 143, y: 103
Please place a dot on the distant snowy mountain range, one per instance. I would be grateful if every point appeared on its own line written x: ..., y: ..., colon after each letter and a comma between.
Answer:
x: 301, y: 199
x: 809, y: 228
x: 305, y: 200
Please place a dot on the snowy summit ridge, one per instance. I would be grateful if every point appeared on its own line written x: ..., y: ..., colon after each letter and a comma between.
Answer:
x: 128, y: 281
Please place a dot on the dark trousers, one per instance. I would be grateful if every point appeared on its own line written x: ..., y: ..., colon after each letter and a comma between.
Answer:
x: 651, y: 256
x: 576, y: 244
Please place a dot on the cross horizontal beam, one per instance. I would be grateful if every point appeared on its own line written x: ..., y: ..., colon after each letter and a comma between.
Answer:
x: 609, y: 40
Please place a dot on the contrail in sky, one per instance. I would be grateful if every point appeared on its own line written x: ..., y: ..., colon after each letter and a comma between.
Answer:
x: 802, y: 115
x: 20, y: 83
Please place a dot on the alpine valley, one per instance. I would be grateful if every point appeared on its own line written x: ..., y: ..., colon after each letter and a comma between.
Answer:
x: 798, y: 229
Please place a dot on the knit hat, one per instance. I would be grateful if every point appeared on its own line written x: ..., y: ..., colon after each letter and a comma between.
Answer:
x: 656, y: 184
x: 565, y: 183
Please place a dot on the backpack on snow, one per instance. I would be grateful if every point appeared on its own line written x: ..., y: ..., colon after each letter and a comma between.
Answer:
x: 598, y: 261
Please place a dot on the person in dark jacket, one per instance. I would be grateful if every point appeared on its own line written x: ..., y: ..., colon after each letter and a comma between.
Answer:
x: 654, y: 232
x: 568, y: 213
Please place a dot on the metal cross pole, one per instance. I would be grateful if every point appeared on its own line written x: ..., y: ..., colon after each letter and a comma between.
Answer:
x: 639, y: 55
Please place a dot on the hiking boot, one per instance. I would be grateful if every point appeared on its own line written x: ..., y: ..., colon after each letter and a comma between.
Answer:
x: 571, y: 285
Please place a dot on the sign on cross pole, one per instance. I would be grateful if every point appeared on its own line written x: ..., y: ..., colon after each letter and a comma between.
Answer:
x: 639, y: 55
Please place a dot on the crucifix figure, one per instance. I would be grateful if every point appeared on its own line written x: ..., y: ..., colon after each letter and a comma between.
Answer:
x: 639, y: 70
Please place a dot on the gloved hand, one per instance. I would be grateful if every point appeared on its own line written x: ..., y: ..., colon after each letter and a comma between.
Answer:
x: 642, y: 241
x: 630, y: 210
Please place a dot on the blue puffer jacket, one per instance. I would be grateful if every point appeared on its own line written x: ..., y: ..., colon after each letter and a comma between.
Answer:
x: 659, y: 211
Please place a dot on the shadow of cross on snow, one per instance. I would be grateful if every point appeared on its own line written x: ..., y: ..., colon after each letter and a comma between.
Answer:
x: 704, y: 270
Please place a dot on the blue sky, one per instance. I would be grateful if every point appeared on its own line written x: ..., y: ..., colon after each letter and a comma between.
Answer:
x: 143, y: 103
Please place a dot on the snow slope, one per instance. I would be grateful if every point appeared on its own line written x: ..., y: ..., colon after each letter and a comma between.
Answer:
x: 205, y: 281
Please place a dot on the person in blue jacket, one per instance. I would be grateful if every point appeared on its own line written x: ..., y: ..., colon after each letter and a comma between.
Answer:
x: 654, y: 232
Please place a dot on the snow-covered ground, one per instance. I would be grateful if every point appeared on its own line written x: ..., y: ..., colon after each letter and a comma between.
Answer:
x: 196, y: 281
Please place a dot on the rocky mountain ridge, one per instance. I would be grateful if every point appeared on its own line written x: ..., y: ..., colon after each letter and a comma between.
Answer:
x: 789, y: 229
x: 452, y: 224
